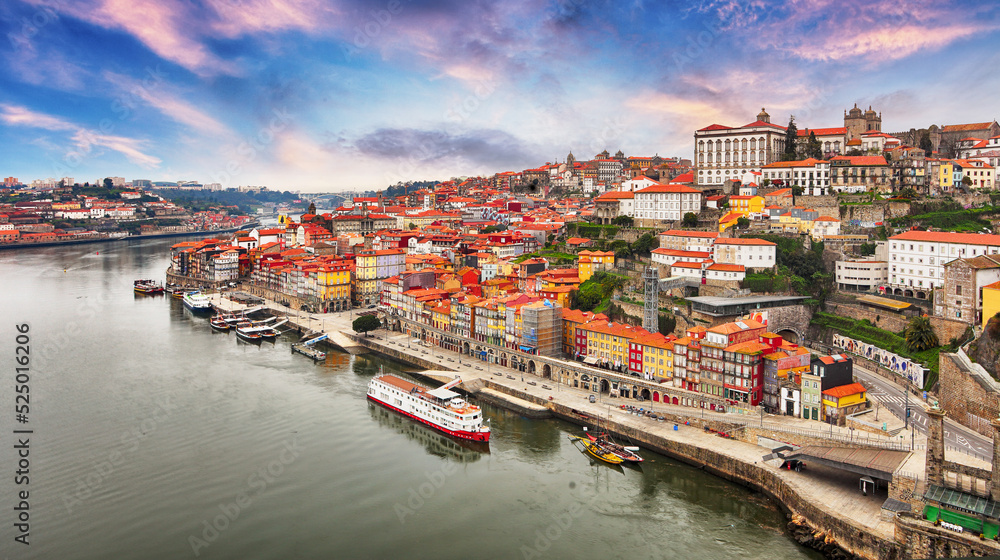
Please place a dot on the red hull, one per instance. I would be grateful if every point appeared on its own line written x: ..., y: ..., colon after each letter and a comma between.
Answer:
x: 471, y: 436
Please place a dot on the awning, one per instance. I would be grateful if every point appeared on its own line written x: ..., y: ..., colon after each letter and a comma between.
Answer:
x: 592, y: 360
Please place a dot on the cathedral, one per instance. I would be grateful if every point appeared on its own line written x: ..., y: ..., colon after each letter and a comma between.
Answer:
x: 858, y: 123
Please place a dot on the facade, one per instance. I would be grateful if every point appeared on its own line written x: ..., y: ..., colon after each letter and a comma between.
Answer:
x: 725, y: 153
x: 612, y: 204
x: 857, y: 122
x: 961, y: 293
x: 857, y: 275
x: 840, y: 402
x: 811, y: 175
x: 682, y: 240
x: 371, y: 268
x: 854, y: 174
x: 753, y: 254
x: 917, y: 258
x: 670, y: 202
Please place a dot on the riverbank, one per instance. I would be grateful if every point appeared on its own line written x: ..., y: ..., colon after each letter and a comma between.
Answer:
x: 208, y: 233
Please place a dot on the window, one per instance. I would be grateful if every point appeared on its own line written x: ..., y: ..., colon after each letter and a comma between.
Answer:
x: 958, y: 290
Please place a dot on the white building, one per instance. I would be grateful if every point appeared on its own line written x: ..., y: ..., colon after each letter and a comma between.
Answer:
x: 666, y: 202
x: 861, y: 275
x: 668, y: 257
x: 683, y: 240
x: 824, y: 226
x: 812, y: 175
x: 638, y: 183
x: 917, y: 258
x: 751, y: 253
x: 725, y: 272
x: 724, y: 152
x: 608, y: 170
x: 831, y: 140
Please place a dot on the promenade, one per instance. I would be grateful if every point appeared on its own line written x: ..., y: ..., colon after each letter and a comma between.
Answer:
x: 833, y: 492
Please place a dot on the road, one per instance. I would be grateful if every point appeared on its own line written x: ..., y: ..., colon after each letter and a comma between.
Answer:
x: 894, y: 398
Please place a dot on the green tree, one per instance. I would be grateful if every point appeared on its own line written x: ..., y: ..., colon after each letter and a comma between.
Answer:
x: 107, y: 183
x: 366, y: 323
x: 920, y: 335
x: 626, y: 221
x: 412, y: 226
x: 690, y: 220
x: 791, y: 137
x: 666, y: 324
x: 813, y: 148
x: 925, y: 144
x: 621, y: 249
x: 742, y: 223
x: 645, y: 244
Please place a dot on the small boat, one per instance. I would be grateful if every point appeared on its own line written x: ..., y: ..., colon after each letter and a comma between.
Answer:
x: 219, y: 323
x: 308, y: 351
x: 598, y: 451
x: 248, y: 334
x: 626, y: 454
x: 147, y: 287
x: 176, y: 291
x: 197, y: 302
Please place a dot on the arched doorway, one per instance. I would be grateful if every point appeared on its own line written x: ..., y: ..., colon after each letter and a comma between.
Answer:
x: 908, y: 293
x: 921, y: 295
x: 656, y: 396
x: 547, y: 371
x: 897, y: 292
x: 465, y: 348
x: 645, y: 395
x: 605, y: 386
x: 673, y: 400
x: 531, y: 366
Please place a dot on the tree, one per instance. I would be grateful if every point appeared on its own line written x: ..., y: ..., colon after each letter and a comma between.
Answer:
x: 925, y: 144
x: 690, y: 220
x: 791, y: 136
x: 814, y: 148
x: 107, y: 183
x: 621, y: 249
x: 412, y: 226
x: 742, y: 223
x: 920, y: 335
x: 366, y: 323
x: 645, y: 244
x: 626, y: 221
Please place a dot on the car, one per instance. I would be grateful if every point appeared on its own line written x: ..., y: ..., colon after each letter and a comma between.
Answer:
x: 372, y: 306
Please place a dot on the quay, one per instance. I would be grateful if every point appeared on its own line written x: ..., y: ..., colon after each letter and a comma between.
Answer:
x: 827, y: 509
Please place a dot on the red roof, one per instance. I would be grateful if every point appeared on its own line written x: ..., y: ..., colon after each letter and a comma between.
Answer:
x: 671, y: 188
x: 949, y: 237
x: 861, y: 160
x: 715, y: 127
x: 742, y: 241
x: 845, y: 390
x: 728, y: 267
x: 823, y: 131
x: 762, y: 123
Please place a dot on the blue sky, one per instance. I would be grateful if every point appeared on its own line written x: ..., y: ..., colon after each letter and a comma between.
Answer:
x: 327, y: 96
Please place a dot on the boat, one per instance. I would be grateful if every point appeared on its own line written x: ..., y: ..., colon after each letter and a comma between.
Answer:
x: 307, y: 349
x: 147, y: 287
x: 197, y: 301
x: 441, y: 408
x: 176, y: 291
x: 248, y: 334
x: 598, y: 451
x: 219, y: 323
x: 627, y: 455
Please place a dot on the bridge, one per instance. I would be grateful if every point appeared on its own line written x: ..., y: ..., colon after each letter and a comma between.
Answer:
x: 874, y: 463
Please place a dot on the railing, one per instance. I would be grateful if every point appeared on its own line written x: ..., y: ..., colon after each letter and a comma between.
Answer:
x: 853, y: 438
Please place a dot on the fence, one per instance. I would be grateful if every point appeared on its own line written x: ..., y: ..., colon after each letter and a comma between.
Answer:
x: 857, y: 438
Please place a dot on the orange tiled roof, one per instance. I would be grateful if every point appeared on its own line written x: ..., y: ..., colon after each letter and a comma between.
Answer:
x: 845, y: 390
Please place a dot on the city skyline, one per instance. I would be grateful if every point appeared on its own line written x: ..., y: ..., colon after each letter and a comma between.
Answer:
x: 318, y: 96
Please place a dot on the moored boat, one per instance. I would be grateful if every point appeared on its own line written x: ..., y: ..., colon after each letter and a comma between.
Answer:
x: 197, y: 302
x: 147, y: 287
x: 248, y: 334
x: 176, y: 291
x: 219, y: 323
x: 611, y: 446
x: 598, y: 451
x: 441, y: 408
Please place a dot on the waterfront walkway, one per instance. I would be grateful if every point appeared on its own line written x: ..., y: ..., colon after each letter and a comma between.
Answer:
x: 835, y: 492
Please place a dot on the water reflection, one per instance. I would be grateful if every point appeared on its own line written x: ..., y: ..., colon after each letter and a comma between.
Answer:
x: 437, y: 444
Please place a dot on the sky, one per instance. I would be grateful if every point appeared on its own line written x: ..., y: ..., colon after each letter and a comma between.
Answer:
x: 328, y: 96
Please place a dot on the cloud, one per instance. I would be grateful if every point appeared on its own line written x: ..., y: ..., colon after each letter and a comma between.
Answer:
x: 886, y: 43
x: 84, y: 140
x: 482, y: 148
x: 154, y: 92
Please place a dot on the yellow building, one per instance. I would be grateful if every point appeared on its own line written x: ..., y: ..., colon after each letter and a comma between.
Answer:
x: 657, y: 356
x: 839, y: 402
x: 946, y: 174
x: 333, y: 282
x: 440, y: 314
x: 592, y: 261
x: 728, y: 220
x: 991, y: 302
x: 747, y: 206
x: 608, y: 344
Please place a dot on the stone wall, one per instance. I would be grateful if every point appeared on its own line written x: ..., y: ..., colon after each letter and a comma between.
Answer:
x: 944, y: 329
x: 920, y: 539
x: 966, y: 398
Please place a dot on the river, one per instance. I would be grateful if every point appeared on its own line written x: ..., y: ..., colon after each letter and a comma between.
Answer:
x: 155, y: 437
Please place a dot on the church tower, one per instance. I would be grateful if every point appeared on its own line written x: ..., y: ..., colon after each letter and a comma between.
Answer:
x: 763, y: 116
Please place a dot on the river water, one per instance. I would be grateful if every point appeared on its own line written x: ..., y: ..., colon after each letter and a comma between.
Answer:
x: 155, y: 437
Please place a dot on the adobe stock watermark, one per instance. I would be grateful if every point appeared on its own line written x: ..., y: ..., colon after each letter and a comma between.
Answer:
x: 376, y: 22
x: 251, y: 146
x: 417, y: 497
x: 561, y: 524
x: 27, y: 28
x: 258, y: 482
x: 91, y: 483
